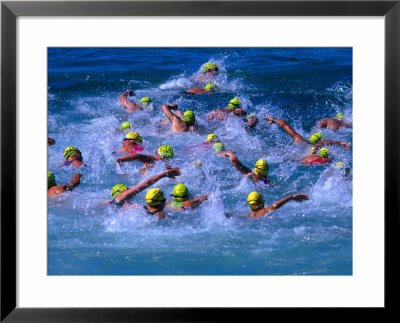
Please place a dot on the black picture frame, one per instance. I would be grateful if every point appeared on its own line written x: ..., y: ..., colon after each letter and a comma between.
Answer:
x: 10, y: 10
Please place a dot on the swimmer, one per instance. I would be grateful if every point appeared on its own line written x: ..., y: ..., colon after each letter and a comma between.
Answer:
x: 314, y: 159
x: 187, y: 123
x: 234, y: 106
x: 50, y: 141
x: 164, y: 153
x: 261, y: 167
x: 209, y: 70
x: 128, y: 105
x: 132, y: 143
x: 73, y: 157
x: 211, y: 139
x: 121, y: 194
x: 333, y: 123
x: 155, y: 200
x: 54, y: 189
x: 180, y: 199
x: 256, y: 203
x: 125, y: 126
x: 314, y: 138
x: 209, y: 88
x: 251, y: 120
x: 145, y: 101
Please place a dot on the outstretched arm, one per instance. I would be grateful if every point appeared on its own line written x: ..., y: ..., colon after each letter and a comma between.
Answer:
x: 343, y: 144
x: 286, y: 127
x: 294, y: 197
x: 75, y: 181
x: 131, y: 157
x: 131, y: 192
x: 192, y: 204
x: 235, y: 162
x: 167, y: 111
x: 124, y: 98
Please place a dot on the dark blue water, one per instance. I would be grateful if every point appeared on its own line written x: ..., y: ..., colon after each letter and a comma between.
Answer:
x: 299, y: 85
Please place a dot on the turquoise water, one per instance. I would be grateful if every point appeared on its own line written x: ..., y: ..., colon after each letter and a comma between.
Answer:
x: 299, y: 85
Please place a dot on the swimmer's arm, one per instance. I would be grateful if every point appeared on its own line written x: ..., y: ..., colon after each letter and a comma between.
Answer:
x: 343, y: 144
x: 50, y: 141
x: 123, y: 98
x: 167, y: 111
x: 75, y: 181
x: 195, y: 202
x: 131, y: 157
x: 131, y: 192
x: 286, y: 127
x: 293, y: 197
x: 239, y: 112
x: 235, y: 162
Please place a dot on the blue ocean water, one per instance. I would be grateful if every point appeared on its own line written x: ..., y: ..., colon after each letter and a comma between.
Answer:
x: 299, y: 85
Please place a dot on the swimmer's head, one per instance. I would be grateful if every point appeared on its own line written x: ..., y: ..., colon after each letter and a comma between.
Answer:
x: 212, y: 138
x: 234, y: 104
x: 209, y: 67
x: 340, y: 116
x: 134, y: 137
x: 315, y: 137
x: 212, y: 87
x: 197, y: 164
x: 323, y: 152
x: 154, y: 197
x: 312, y: 150
x: 252, y: 120
x: 218, y: 147
x: 125, y: 126
x: 180, y: 193
x: 70, y: 152
x: 145, y: 101
x: 166, y: 152
x: 344, y: 167
x: 261, y: 167
x: 51, y: 180
x: 189, y: 117
x: 118, y: 189
x: 255, y: 201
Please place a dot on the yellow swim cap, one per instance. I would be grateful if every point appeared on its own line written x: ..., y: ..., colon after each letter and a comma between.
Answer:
x: 323, y: 152
x: 189, y: 117
x: 212, y: 138
x: 134, y: 136
x: 209, y: 66
x: 315, y: 137
x: 218, y: 147
x: 70, y: 151
x: 125, y: 126
x: 339, y: 116
x: 261, y: 168
x: 117, y: 189
x: 154, y: 197
x: 234, y: 104
x: 255, y: 201
x: 212, y: 87
x: 145, y: 101
x: 197, y: 164
x: 166, y: 152
x: 180, y: 193
x: 51, y: 180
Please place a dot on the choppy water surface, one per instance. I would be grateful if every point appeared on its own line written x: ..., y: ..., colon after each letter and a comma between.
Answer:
x: 301, y: 86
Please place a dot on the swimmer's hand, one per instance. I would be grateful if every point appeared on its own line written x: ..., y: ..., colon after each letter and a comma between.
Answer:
x: 172, y: 173
x: 130, y: 92
x: 173, y: 106
x: 345, y: 145
x: 118, y: 162
x: 299, y: 197
x: 269, y: 120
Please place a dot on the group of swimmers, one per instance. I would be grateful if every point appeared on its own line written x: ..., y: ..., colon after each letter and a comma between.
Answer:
x: 186, y: 122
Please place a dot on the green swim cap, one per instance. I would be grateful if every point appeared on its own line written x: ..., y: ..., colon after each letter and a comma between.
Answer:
x: 339, y: 116
x: 323, y: 152
x: 315, y: 138
x: 125, y: 126
x: 255, y: 201
x: 212, y: 138
x: 145, y: 101
x: 218, y: 147
x: 70, y: 151
x: 209, y: 66
x: 261, y: 167
x: 135, y: 137
x: 189, y: 117
x: 343, y: 166
x: 212, y: 87
x: 234, y: 104
x: 166, y: 152
x: 51, y: 180
x: 118, y: 189
x: 180, y: 193
x: 197, y: 164
x: 154, y: 197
